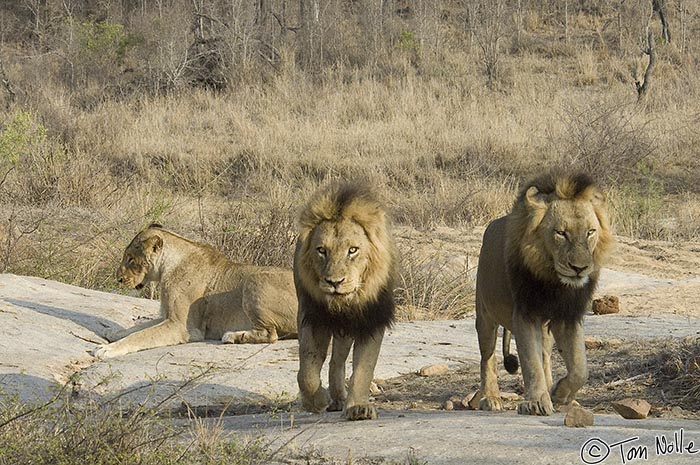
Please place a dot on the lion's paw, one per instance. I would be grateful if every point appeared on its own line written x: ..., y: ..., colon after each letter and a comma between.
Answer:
x: 336, y: 405
x: 361, y: 412
x: 536, y: 407
x: 316, y: 403
x: 106, y: 351
x: 233, y: 337
x: 491, y: 403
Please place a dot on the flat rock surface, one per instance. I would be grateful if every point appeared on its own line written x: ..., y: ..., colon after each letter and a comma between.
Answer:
x: 485, y: 438
x: 49, y: 330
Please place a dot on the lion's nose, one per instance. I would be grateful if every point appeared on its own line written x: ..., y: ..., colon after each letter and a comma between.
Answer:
x: 577, y: 269
x: 334, y: 282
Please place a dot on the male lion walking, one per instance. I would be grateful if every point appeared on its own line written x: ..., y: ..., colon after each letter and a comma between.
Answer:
x: 538, y: 269
x: 344, y: 272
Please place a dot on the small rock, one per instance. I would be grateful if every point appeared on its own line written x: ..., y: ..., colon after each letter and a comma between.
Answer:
x: 472, y: 400
x: 606, y: 305
x: 593, y: 343
x: 676, y: 411
x: 448, y: 405
x: 632, y: 409
x: 565, y: 408
x: 578, y: 417
x: 434, y: 370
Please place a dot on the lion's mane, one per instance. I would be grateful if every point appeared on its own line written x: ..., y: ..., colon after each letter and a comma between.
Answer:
x: 373, y: 307
x: 530, y: 267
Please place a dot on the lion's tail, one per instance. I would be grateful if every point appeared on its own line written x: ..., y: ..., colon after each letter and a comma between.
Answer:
x: 510, y: 361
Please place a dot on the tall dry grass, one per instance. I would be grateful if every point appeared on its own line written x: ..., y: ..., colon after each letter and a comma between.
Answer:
x: 231, y: 168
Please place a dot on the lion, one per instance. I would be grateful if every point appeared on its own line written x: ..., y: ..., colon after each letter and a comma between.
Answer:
x: 537, y: 271
x: 203, y: 296
x: 344, y: 272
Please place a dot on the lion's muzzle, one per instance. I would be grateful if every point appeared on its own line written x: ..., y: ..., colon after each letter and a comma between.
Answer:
x: 337, y: 287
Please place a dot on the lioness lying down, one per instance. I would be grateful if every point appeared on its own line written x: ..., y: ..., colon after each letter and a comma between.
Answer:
x: 203, y: 296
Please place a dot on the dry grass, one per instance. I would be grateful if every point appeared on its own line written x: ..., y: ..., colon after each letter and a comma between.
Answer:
x: 231, y: 168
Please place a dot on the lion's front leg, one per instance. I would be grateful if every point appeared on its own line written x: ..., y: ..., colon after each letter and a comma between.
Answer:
x: 336, y: 373
x: 313, y: 346
x: 528, y: 338
x: 115, y: 334
x: 364, y: 360
x: 165, y: 333
x: 571, y: 345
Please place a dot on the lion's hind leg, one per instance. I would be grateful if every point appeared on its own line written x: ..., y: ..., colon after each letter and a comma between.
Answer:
x: 547, y: 344
x: 252, y: 336
x: 487, y: 330
x: 571, y: 345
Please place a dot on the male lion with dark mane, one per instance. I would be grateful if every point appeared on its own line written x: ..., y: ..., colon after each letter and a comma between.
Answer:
x: 537, y: 271
x: 344, y: 272
x: 203, y: 296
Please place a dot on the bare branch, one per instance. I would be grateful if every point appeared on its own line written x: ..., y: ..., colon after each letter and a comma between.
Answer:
x: 643, y: 86
x: 6, y: 83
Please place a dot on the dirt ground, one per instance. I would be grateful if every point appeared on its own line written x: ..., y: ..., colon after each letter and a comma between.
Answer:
x: 657, y: 371
x: 649, y: 277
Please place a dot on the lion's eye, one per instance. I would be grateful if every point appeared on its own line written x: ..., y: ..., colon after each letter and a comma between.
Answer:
x: 591, y: 232
x: 560, y: 233
x: 352, y: 250
x: 131, y: 261
x: 321, y: 251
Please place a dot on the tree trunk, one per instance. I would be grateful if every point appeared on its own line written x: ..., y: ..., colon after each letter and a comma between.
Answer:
x: 659, y: 7
x: 309, y: 16
x: 643, y: 87
x: 8, y: 86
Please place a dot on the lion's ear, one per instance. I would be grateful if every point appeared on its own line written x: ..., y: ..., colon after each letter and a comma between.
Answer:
x: 599, y: 199
x: 535, y: 199
x: 153, y: 244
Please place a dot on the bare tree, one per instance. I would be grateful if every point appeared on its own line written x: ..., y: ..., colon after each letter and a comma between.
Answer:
x: 487, y: 25
x: 309, y: 15
x: 659, y: 7
x: 683, y: 14
x: 7, y: 84
x: 644, y: 83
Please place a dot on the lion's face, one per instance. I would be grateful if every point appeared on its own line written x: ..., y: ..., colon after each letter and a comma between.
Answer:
x: 341, y: 256
x: 137, y: 266
x: 570, y: 232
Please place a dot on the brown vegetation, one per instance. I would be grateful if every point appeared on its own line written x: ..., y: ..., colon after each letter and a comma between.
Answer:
x: 215, y: 118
